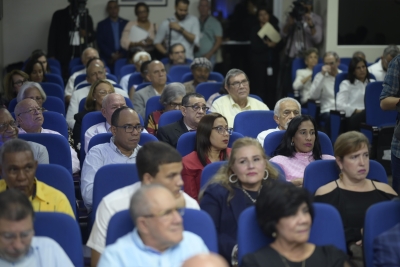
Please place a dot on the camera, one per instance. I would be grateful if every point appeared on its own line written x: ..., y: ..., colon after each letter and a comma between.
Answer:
x: 298, y: 10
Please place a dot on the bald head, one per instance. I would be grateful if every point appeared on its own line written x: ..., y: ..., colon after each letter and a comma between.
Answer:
x: 110, y: 103
x: 88, y: 54
x: 29, y: 115
x: 156, y: 74
x: 206, y: 260
x: 95, y: 71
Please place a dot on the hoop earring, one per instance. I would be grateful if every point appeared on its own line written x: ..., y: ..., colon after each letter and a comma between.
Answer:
x: 266, y: 175
x: 230, y: 178
x: 273, y: 234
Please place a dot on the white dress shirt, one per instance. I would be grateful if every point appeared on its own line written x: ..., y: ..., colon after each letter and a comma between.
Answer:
x: 322, y: 89
x: 377, y: 70
x: 304, y: 89
x: 69, y: 89
x: 102, y: 127
x: 351, y: 96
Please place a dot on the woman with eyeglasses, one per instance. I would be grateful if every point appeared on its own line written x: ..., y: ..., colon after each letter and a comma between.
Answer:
x: 234, y: 188
x: 212, y: 138
x: 171, y: 99
x: 12, y: 84
x: 35, y: 70
x: 32, y: 90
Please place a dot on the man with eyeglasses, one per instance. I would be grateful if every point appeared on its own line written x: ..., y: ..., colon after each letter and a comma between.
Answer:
x: 238, y: 86
x: 30, y: 120
x: 158, y: 236
x: 285, y: 110
x: 95, y: 71
x: 157, y: 163
x: 122, y: 148
x: 177, y: 56
x: 193, y: 109
x: 380, y: 68
x: 9, y: 131
x: 18, y: 244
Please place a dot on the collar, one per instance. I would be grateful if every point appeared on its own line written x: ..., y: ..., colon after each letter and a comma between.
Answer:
x: 20, y: 130
x: 139, y: 243
x: 116, y: 149
x: 300, y: 155
x: 189, y: 129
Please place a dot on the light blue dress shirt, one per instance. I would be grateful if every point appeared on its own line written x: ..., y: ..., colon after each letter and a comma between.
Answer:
x: 43, y: 252
x: 129, y: 250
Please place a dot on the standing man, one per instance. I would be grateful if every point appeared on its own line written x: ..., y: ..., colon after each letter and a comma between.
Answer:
x: 210, y: 33
x: 109, y: 32
x: 181, y: 28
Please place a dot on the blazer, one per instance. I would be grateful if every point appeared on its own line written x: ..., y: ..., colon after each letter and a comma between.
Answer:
x: 105, y: 38
x: 387, y: 248
x: 225, y: 217
x: 140, y: 99
x: 170, y: 133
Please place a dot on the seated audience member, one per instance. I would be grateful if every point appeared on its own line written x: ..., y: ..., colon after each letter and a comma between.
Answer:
x: 157, y: 163
x: 158, y: 236
x: 212, y: 137
x: 352, y: 194
x: 87, y: 54
x: 177, y: 56
x: 17, y: 155
x: 144, y: 69
x: 18, y: 244
x: 285, y: 214
x: 137, y: 59
x: 142, y: 13
x: 350, y: 97
x: 299, y: 146
x: 9, y: 131
x: 302, y: 83
x: 94, y: 100
x: 35, y: 70
x: 12, y: 83
x: 238, y: 86
x: 285, y: 110
x: 380, y: 68
x: 30, y: 120
x: 110, y: 103
x: 158, y: 78
x: 233, y: 189
x: 122, y: 148
x: 41, y: 56
x: 322, y: 88
x: 360, y: 54
x: 206, y: 260
x: 95, y: 71
x: 171, y: 99
x: 386, y: 248
x: 32, y: 90
x: 193, y: 109
x: 201, y: 68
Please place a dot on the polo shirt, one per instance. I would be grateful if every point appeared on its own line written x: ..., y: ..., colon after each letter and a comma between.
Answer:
x: 209, y: 29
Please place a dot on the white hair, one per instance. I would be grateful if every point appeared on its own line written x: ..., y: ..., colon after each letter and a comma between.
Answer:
x: 278, y: 104
x: 137, y: 56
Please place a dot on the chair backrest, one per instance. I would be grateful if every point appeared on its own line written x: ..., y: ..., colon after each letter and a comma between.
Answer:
x: 374, y: 115
x: 321, y: 172
x: 195, y: 221
x: 176, y: 72
x: 102, y: 138
x: 187, y: 142
x: 297, y: 64
x: 54, y: 78
x: 80, y: 78
x: 345, y: 61
x: 141, y: 86
x: 214, y: 76
x: 379, y: 218
x: 56, y: 122
x: 118, y: 66
x: 126, y: 69
x: 54, y: 63
x: 63, y: 229
x: 327, y: 229
x: 317, y: 68
x: 74, y: 62
x: 252, y: 122
x: 135, y: 79
x: 111, y: 77
x: 83, y: 100
x: 77, y: 68
x: 55, y: 70
x: 165, y: 60
x: 340, y: 77
x: 152, y: 104
x: 169, y: 117
x: 59, y: 178
x: 53, y: 89
x: 272, y: 141
x: 110, y: 178
x: 207, y: 89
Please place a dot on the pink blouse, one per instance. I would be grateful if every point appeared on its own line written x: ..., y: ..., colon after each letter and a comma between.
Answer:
x: 294, y: 167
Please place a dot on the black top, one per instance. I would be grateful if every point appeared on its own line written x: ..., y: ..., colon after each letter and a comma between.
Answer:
x: 352, y: 207
x: 326, y: 256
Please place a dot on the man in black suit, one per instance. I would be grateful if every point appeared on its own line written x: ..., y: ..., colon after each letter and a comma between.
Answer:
x: 193, y: 109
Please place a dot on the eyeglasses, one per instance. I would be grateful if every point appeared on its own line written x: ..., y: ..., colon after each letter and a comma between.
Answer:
x: 237, y: 84
x: 131, y: 128
x: 197, y: 108
x: 32, y: 111
x: 103, y: 93
x: 5, y: 125
x: 19, y: 83
x: 222, y: 130
x: 167, y: 214
x: 175, y: 105
x: 37, y: 98
x: 11, y: 237
x: 288, y: 112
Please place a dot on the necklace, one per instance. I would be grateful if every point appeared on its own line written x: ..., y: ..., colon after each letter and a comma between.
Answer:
x: 252, y: 199
x: 303, y: 264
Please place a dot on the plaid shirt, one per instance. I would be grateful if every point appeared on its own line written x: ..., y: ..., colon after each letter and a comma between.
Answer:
x: 391, y: 88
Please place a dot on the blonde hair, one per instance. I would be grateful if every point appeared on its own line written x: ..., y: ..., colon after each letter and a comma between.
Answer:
x: 90, y: 103
x: 222, y: 176
x: 349, y: 142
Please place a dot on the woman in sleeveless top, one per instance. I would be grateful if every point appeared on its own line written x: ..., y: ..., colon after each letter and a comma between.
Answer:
x: 352, y: 194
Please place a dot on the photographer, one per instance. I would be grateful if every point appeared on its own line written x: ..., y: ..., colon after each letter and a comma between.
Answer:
x: 71, y: 31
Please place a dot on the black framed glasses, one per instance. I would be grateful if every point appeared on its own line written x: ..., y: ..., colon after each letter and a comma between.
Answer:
x: 131, y: 128
x: 4, y: 126
x: 237, y: 84
x: 32, y: 111
x: 223, y: 130
x: 20, y: 82
x: 197, y: 108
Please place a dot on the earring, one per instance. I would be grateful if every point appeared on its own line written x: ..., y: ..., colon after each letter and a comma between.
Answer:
x: 292, y: 143
x: 273, y: 235
x: 266, y: 175
x: 230, y: 178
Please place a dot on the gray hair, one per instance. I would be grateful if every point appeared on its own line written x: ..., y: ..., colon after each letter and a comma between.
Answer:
x: 359, y: 54
x: 140, y: 204
x: 171, y: 92
x: 233, y: 73
x: 332, y: 53
x: 14, y: 145
x: 105, y: 102
x: 391, y: 50
x: 278, y: 104
x: 26, y: 86
x: 201, y: 62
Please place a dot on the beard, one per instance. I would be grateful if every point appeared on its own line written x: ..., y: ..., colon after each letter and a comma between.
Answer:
x: 180, y: 17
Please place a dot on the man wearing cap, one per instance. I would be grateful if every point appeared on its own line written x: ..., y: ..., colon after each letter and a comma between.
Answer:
x: 201, y: 68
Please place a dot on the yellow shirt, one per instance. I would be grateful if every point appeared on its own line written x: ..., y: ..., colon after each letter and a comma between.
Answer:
x: 228, y: 108
x: 47, y: 198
